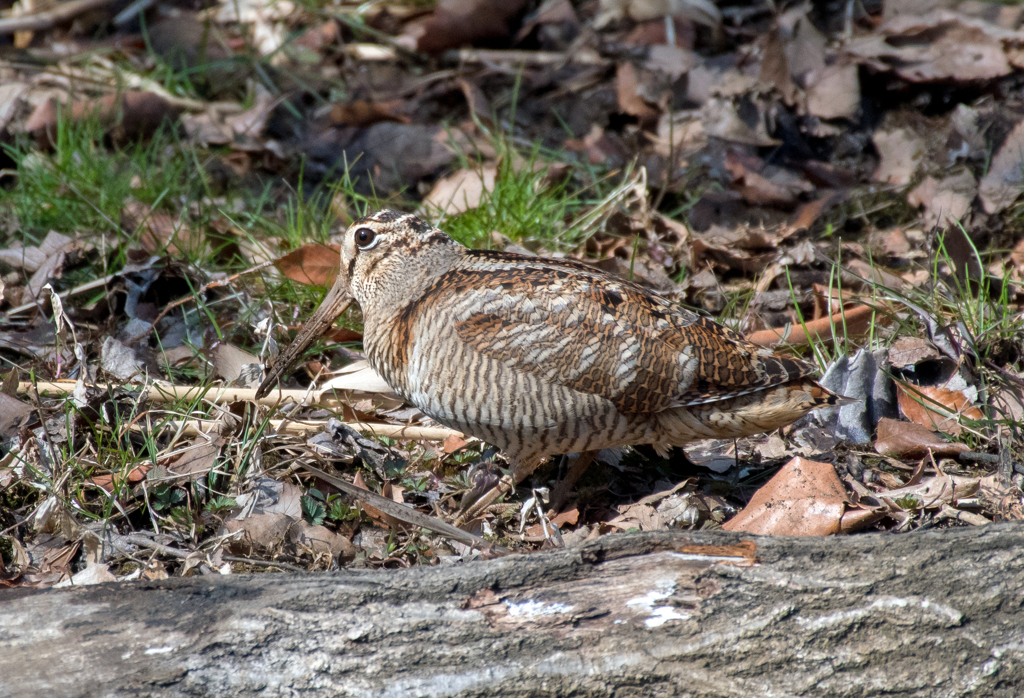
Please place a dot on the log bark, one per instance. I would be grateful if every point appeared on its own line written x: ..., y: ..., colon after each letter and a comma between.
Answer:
x: 937, y: 613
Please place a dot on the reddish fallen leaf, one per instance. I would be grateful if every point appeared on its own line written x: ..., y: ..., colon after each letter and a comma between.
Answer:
x: 110, y: 483
x: 566, y: 517
x: 911, y: 440
x: 458, y: 23
x: 779, y: 188
x: 453, y: 443
x: 630, y: 88
x: 902, y: 152
x: 343, y: 334
x: 805, y: 498
x: 807, y: 214
x: 935, y: 408
x: 857, y: 321
x: 858, y: 519
x: 313, y: 264
x: 360, y: 113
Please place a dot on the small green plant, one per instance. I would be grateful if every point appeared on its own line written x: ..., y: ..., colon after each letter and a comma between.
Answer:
x: 166, y: 497
x: 313, y: 506
x: 218, y: 504
x: 908, y: 502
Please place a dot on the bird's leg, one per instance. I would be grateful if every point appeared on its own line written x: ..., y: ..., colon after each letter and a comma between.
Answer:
x: 563, y: 488
x: 507, y: 484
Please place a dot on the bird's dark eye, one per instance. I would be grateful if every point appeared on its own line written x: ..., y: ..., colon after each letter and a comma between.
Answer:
x: 366, y: 238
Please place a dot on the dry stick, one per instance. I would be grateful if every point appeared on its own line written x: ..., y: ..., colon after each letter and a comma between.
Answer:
x: 404, y: 513
x: 195, y: 427
x: 49, y: 18
x: 263, y: 563
x: 473, y: 55
x: 171, y: 393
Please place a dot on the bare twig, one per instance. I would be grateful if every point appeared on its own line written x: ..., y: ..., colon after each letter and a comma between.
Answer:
x: 194, y: 427
x: 263, y: 563
x: 474, y: 55
x: 405, y: 513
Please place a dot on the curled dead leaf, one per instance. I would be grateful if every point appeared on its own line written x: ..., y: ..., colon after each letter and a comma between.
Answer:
x: 934, y: 407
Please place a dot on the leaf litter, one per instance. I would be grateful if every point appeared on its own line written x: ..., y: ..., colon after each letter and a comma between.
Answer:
x: 843, y: 189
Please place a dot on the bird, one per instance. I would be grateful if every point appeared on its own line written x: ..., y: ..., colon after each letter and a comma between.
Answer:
x: 540, y: 356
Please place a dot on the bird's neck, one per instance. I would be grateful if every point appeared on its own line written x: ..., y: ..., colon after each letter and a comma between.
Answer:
x: 398, y: 281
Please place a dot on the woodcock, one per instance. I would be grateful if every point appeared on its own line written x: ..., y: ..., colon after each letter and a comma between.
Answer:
x: 543, y: 356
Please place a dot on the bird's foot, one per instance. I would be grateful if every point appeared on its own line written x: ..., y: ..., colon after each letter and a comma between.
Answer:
x: 504, y: 486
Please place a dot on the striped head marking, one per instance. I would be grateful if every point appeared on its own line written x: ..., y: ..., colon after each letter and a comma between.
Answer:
x: 390, y: 247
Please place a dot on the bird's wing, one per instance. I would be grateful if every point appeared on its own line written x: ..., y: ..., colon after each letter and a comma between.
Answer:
x: 577, y: 327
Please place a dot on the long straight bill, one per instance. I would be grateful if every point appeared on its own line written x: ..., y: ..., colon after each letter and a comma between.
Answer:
x: 333, y: 306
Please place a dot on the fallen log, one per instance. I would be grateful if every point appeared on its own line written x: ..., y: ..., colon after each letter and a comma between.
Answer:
x: 934, y: 613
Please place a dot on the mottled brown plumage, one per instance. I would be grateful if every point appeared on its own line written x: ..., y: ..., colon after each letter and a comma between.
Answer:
x: 541, y: 356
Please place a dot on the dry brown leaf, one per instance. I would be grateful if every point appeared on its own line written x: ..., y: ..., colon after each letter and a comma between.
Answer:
x: 858, y: 519
x: 229, y: 360
x: 938, y: 45
x: 453, y: 443
x: 319, y: 540
x: 30, y: 259
x: 360, y: 113
x: 945, y: 201
x: 935, y: 407
x: 1004, y: 181
x: 379, y: 517
x: 458, y: 23
x: 775, y: 66
x: 198, y: 460
x: 461, y: 192
x: 891, y: 243
x: 260, y: 533
x: 935, y: 491
x: 160, y: 232
x: 313, y: 264
x: 911, y: 440
x: 834, y: 93
x: 805, y: 498
x: 910, y: 351
x: 127, y: 116
x: 14, y: 415
x: 634, y: 94
x: 901, y: 152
